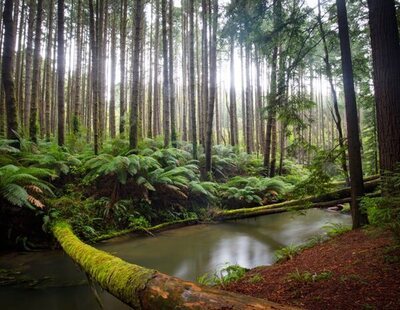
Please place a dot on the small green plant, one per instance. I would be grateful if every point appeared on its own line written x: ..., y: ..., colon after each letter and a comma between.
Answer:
x: 287, y: 253
x: 228, y: 274
x: 255, y: 279
x: 139, y: 222
x: 308, y: 277
x: 336, y: 229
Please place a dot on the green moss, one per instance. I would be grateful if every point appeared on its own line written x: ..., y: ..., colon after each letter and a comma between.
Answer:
x: 155, y: 228
x: 122, y: 279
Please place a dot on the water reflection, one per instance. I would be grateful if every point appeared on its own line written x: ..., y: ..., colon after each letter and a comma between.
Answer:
x: 186, y: 253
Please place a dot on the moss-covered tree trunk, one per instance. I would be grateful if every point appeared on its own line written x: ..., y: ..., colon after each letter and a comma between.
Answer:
x: 143, y: 288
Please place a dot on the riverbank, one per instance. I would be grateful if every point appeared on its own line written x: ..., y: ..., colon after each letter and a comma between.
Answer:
x: 357, y: 270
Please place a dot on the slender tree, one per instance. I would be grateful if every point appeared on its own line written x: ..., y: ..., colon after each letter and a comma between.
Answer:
x: 60, y: 71
x: 192, y: 83
x: 36, y: 73
x: 124, y: 12
x: 166, y: 97
x: 156, y: 91
x: 171, y: 74
x: 336, y: 113
x: 234, y: 139
x: 354, y: 146
x: 113, y: 73
x: 134, y: 104
x: 213, y: 84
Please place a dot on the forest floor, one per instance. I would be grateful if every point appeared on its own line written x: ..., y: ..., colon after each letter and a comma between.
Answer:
x: 357, y: 270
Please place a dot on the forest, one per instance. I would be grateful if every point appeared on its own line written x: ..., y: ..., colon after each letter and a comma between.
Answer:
x: 169, y: 148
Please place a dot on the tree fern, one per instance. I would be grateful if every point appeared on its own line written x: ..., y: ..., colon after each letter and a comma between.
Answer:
x: 19, y: 185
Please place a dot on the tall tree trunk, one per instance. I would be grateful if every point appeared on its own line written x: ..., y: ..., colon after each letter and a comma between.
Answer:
x: 36, y: 74
x: 28, y: 64
x: 113, y: 72
x: 156, y: 91
x: 48, y: 86
x: 166, y: 98
x: 184, y: 70
x: 244, y: 127
x: 122, y: 105
x: 133, y: 131
x: 259, y: 103
x: 77, y: 89
x: 192, y: 83
x: 171, y: 76
x: 94, y: 76
x: 271, y: 111
x: 60, y: 71
x: 336, y: 115
x: 356, y: 174
x: 249, y: 121
x: 7, y: 71
x: 232, y: 96
x: 150, y: 84
x: 204, y: 72
x: 386, y: 63
x: 19, y: 63
x: 213, y: 84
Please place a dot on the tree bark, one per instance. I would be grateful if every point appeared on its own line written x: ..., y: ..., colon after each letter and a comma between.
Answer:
x: 60, y: 72
x: 122, y: 105
x: 354, y: 146
x: 171, y: 75
x: 386, y: 64
x: 7, y: 71
x: 156, y: 90
x: 133, y: 132
x: 36, y: 74
x: 213, y: 85
x: 166, y: 97
x: 192, y: 83
x: 336, y: 115
x: 76, y: 121
x: 113, y: 73
x: 234, y: 139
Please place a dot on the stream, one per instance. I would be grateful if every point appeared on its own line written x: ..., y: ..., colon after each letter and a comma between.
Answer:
x: 50, y: 280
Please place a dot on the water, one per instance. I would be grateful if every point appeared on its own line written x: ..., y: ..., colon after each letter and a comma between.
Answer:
x: 186, y: 253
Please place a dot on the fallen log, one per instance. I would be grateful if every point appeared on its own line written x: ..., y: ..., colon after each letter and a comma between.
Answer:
x: 322, y: 201
x: 143, y: 288
x: 151, y: 230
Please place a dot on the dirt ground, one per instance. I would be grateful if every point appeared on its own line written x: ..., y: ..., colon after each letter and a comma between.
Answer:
x: 357, y: 270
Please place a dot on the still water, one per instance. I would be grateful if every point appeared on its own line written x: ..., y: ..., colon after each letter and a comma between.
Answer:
x: 52, y: 281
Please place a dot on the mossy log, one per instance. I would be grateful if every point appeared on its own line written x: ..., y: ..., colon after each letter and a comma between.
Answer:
x: 322, y: 201
x: 153, y: 229
x: 143, y: 288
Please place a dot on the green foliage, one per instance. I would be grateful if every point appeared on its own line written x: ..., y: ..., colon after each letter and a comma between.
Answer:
x: 240, y: 191
x: 287, y: 253
x: 323, y: 169
x: 336, y: 229
x: 138, y: 222
x: 228, y: 274
x: 255, y: 279
x: 53, y: 157
x: 24, y: 187
x: 307, y: 276
x: 384, y: 212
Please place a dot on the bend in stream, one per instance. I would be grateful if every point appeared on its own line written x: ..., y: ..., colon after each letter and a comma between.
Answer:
x: 53, y: 281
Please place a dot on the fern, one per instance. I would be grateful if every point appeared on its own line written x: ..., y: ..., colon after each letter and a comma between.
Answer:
x: 19, y: 186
